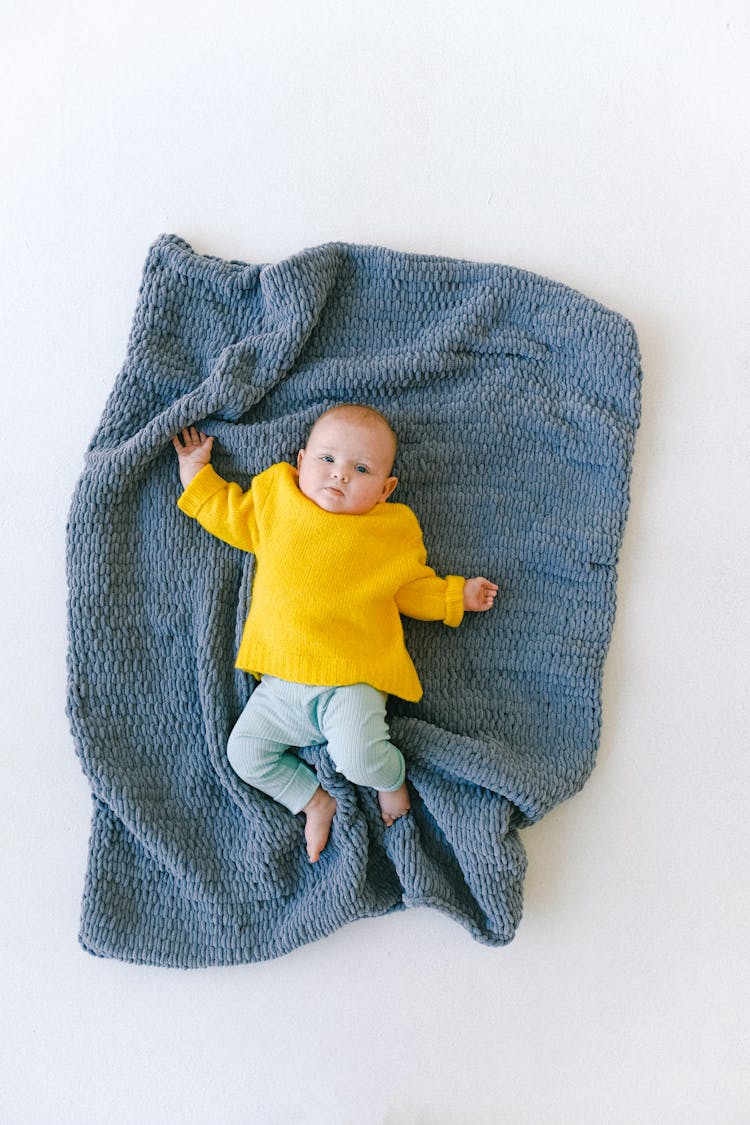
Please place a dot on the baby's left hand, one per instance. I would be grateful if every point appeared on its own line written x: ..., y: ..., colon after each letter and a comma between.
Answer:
x: 479, y: 594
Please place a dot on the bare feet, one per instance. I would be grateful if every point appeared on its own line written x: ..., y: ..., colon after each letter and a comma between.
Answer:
x: 319, y: 812
x: 393, y: 804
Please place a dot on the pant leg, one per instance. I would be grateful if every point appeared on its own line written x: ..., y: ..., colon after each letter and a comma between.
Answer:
x: 258, y: 747
x: 352, y: 719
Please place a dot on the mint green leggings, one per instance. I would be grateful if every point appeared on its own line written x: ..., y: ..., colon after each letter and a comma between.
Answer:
x: 280, y: 714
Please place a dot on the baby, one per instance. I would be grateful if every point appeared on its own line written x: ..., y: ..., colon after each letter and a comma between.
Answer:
x: 336, y: 566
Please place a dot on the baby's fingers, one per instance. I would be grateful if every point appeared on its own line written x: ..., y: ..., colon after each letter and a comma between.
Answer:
x: 488, y: 594
x: 191, y: 437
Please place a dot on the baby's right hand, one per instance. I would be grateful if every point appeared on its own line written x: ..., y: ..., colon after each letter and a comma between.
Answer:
x: 194, y: 452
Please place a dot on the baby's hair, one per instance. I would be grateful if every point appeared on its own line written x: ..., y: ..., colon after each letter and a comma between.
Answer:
x: 363, y: 412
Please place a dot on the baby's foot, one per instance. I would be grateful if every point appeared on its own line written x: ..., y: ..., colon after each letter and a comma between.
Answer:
x: 393, y: 804
x: 319, y: 812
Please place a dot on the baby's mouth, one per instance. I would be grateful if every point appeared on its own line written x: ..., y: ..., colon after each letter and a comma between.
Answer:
x: 332, y: 488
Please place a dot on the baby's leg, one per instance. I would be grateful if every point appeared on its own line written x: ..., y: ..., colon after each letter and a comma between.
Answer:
x: 258, y: 755
x: 272, y: 768
x: 355, y: 725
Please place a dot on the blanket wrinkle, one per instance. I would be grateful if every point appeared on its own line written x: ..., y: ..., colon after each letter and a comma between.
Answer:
x: 516, y: 400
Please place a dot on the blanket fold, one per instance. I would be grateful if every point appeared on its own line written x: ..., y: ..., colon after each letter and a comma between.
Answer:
x: 516, y: 401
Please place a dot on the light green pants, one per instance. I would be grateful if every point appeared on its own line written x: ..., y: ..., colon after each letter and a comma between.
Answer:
x: 280, y: 714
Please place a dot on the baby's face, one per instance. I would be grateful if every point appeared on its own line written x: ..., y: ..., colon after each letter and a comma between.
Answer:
x: 346, y: 464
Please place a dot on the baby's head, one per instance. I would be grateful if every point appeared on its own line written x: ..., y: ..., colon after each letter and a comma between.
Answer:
x: 345, y: 466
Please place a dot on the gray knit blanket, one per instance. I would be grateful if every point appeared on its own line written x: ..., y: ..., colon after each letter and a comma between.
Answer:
x: 516, y: 401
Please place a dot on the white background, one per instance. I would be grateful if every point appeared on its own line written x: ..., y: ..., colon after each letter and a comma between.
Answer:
x: 604, y: 145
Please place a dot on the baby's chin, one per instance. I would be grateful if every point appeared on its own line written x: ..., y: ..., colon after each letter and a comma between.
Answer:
x: 331, y: 501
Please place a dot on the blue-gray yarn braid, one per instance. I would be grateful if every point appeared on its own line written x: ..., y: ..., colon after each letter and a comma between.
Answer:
x: 516, y: 401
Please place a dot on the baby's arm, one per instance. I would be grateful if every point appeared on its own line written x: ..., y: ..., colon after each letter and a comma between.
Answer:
x: 220, y: 506
x: 430, y: 598
x: 479, y: 594
x: 193, y: 453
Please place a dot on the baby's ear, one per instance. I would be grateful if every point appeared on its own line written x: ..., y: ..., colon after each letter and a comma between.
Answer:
x: 300, y: 455
x: 389, y: 486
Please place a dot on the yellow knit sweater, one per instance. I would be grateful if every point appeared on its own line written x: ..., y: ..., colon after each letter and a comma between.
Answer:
x: 329, y: 588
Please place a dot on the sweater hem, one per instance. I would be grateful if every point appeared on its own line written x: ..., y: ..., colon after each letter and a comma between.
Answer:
x: 328, y: 676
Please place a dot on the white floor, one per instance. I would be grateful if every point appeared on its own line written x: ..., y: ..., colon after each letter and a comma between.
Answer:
x: 602, y: 145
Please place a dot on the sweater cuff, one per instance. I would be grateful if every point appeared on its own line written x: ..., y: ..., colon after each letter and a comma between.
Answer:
x: 201, y: 488
x: 454, y: 600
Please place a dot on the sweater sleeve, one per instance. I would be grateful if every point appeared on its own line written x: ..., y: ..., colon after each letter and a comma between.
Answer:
x: 428, y: 597
x: 222, y: 508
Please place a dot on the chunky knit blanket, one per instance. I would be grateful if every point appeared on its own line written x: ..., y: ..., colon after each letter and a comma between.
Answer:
x: 516, y: 401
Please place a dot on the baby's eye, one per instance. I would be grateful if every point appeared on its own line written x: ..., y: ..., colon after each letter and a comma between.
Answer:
x: 327, y: 457
x: 362, y: 469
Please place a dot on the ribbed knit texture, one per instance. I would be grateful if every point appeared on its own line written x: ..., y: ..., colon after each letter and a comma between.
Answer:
x: 350, y: 720
x: 516, y: 401
x: 324, y: 607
